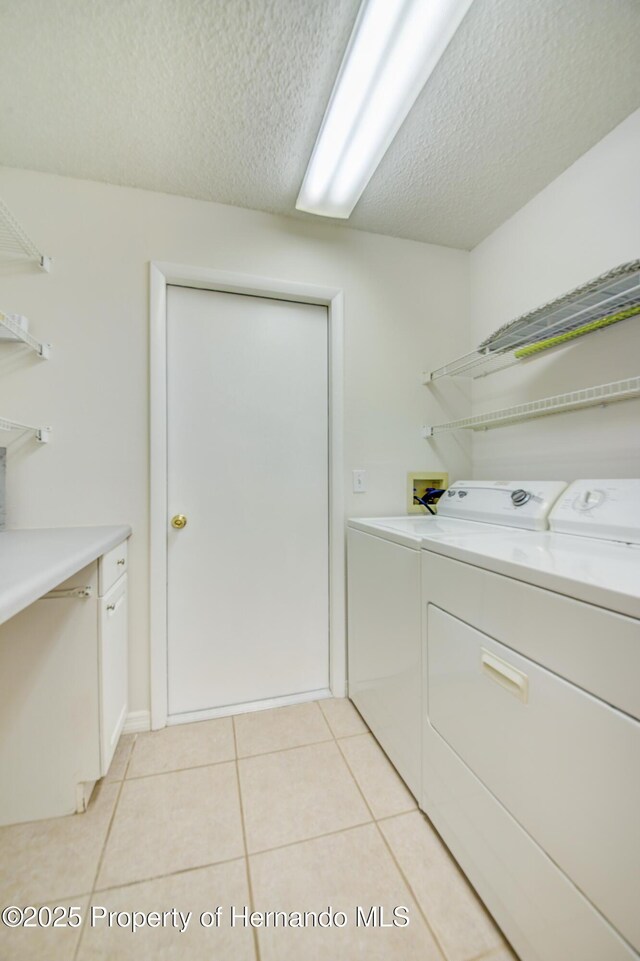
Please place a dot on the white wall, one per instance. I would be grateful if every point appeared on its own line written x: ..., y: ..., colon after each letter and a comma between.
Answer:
x: 404, y: 303
x: 585, y: 222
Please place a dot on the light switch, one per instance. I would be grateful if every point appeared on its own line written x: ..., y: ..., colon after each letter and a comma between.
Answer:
x: 359, y: 481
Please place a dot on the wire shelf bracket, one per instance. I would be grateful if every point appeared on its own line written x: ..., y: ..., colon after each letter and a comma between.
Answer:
x: 16, y: 324
x: 42, y: 434
x: 575, y: 400
x: 15, y: 244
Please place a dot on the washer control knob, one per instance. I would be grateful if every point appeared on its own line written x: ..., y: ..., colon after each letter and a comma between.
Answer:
x: 520, y: 497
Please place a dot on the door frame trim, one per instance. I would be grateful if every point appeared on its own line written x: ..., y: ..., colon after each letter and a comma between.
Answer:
x: 161, y: 275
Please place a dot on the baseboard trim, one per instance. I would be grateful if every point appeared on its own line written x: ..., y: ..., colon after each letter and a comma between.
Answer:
x: 137, y: 721
x: 247, y: 708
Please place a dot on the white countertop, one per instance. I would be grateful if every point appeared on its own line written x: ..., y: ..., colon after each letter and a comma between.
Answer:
x: 33, y: 562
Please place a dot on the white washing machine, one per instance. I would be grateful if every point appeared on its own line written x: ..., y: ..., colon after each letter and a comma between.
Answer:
x: 385, y: 608
x: 531, y: 733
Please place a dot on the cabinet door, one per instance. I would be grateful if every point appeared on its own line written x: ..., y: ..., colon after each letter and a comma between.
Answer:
x: 49, y: 718
x: 113, y: 661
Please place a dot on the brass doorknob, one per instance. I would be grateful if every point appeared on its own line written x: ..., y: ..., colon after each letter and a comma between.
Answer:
x: 179, y: 521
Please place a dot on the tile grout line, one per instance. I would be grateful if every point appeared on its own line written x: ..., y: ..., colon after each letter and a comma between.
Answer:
x: 229, y: 760
x: 280, y: 750
x: 314, y: 837
x: 211, y: 864
x: 493, y: 952
x: 390, y: 817
x: 413, y: 894
x: 245, y: 757
x: 487, y: 956
x: 104, y: 843
x: 394, y: 859
x: 170, y: 874
x: 490, y: 952
x: 326, y: 721
x: 179, y: 770
x: 278, y: 847
x: 247, y: 867
x: 344, y: 737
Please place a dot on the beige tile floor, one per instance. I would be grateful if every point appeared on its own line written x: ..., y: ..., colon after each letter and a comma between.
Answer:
x: 293, y: 809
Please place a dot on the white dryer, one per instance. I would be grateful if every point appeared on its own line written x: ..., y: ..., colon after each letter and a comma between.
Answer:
x: 385, y: 608
x: 531, y: 733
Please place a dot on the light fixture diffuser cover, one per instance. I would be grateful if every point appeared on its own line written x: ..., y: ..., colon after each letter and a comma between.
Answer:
x: 393, y: 49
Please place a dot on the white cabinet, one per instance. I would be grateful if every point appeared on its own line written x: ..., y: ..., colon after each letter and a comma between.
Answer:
x: 111, y: 566
x: 63, y: 692
x: 112, y: 649
x: 112, y: 661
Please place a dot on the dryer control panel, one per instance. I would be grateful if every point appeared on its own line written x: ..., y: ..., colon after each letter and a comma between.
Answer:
x: 522, y: 504
x: 608, y: 509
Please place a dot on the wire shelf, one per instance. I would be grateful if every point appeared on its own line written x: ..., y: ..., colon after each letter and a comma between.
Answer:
x: 610, y: 293
x: 15, y: 244
x: 477, y: 363
x: 17, y: 327
x: 586, y: 397
x: 610, y: 298
x: 41, y: 433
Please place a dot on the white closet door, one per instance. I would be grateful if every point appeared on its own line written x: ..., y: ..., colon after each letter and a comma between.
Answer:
x: 248, y: 578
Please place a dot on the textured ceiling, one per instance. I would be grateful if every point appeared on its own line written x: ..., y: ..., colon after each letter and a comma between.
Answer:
x: 222, y: 100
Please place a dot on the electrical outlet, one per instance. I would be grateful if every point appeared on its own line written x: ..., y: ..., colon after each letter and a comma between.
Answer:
x: 359, y: 481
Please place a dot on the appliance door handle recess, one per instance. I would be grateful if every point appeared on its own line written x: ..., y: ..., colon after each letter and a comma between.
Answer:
x: 508, y: 677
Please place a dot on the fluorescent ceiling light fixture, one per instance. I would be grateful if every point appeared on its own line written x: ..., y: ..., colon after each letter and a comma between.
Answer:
x: 393, y: 49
